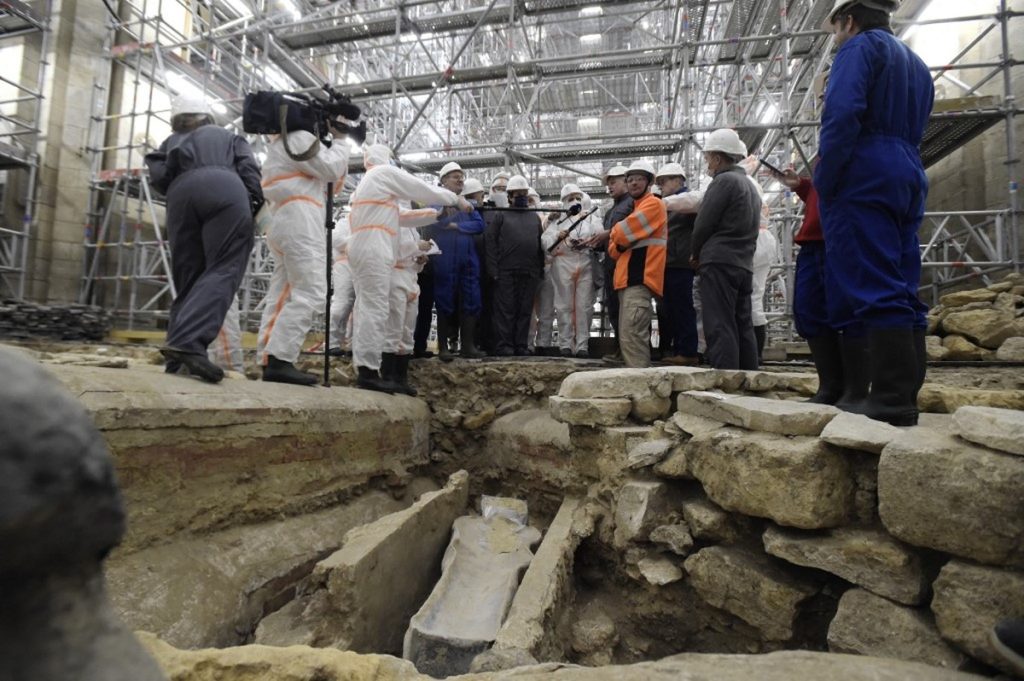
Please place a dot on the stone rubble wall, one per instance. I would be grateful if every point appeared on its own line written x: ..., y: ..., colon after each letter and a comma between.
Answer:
x: 979, y: 324
x: 762, y: 505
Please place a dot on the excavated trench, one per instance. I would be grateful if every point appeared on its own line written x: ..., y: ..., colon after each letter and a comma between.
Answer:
x: 670, y: 522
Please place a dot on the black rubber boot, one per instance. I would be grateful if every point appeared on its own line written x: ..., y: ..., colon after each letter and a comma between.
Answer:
x: 387, y: 366
x: 279, y: 371
x: 444, y: 329
x: 467, y: 332
x: 198, y: 365
x: 401, y: 375
x: 921, y: 351
x: 828, y: 361
x: 856, y: 370
x: 894, y: 375
x: 370, y: 379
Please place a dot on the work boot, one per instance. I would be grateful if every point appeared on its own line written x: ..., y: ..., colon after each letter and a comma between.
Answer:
x: 335, y: 352
x: 278, y: 371
x: 856, y: 370
x: 468, y: 334
x: 387, y: 366
x: 1007, y: 638
x: 828, y: 362
x: 400, y: 377
x: 921, y: 351
x: 422, y: 353
x: 582, y: 354
x: 565, y: 352
x: 370, y: 379
x: 444, y: 328
x: 198, y: 364
x: 894, y: 374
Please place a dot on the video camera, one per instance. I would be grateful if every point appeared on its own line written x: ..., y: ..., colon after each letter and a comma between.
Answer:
x: 279, y: 113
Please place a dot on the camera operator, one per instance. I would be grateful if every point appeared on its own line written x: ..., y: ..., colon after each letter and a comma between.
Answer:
x: 298, y: 288
x: 212, y: 183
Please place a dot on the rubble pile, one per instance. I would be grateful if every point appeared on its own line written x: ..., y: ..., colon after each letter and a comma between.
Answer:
x: 980, y: 324
x: 20, y: 319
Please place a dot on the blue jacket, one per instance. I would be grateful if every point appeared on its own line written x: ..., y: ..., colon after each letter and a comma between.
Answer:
x: 879, y: 95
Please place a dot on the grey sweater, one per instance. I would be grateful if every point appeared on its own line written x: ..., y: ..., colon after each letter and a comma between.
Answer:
x: 730, y: 215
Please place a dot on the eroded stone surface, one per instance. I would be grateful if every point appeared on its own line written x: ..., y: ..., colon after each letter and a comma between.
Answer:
x: 960, y: 349
x: 676, y: 537
x: 959, y: 298
x: 798, y: 482
x: 639, y: 508
x: 659, y: 570
x: 756, y: 588
x: 590, y: 412
x: 1001, y: 429
x: 648, y: 453
x: 945, y: 399
x: 940, y: 492
x: 866, y: 624
x: 765, y: 381
x: 869, y: 558
x: 618, y: 383
x: 676, y: 465
x: 970, y: 599
x: 707, y: 521
x: 987, y: 328
x: 855, y: 431
x: 1012, y: 350
x: 757, y: 413
x: 647, y: 408
x: 935, y: 349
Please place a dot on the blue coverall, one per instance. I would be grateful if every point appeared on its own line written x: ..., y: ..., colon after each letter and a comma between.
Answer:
x: 457, y: 268
x: 870, y: 180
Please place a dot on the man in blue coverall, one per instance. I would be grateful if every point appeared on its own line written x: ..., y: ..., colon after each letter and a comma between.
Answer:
x: 872, y: 190
x: 456, y: 272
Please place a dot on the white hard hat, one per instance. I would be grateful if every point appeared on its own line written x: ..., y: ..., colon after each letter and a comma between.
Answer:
x: 449, y: 167
x: 189, y: 104
x: 615, y: 171
x: 671, y: 170
x: 568, y: 189
x: 726, y: 141
x: 500, y: 176
x: 884, y: 5
x: 517, y: 182
x: 472, y: 186
x: 641, y: 166
x: 533, y: 192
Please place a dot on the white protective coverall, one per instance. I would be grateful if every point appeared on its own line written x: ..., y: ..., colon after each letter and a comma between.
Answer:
x: 572, y: 279
x: 375, y: 220
x: 226, y: 349
x: 405, y: 292
x: 766, y: 254
x: 298, y: 285
x: 344, y: 297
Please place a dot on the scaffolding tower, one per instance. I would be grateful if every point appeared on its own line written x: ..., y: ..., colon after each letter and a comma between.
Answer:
x: 25, y: 26
x: 553, y: 89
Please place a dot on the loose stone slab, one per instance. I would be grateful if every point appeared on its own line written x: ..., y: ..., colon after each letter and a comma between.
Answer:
x: 970, y: 599
x: 765, y: 381
x: 695, y: 425
x: 479, y: 577
x: 589, y: 412
x: 798, y: 482
x: 946, y: 399
x: 869, y: 558
x: 1001, y: 429
x: 691, y: 378
x: 754, y: 587
x: 866, y: 624
x: 618, y: 383
x: 659, y: 571
x: 758, y: 413
x: 648, y: 453
x: 676, y: 537
x: 937, y: 491
x: 855, y: 431
x: 639, y: 508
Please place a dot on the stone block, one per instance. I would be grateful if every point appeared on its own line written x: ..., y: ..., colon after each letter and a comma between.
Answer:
x: 1008, y: 302
x: 616, y: 383
x: 970, y: 599
x: 937, y: 491
x: 659, y: 570
x: 594, y: 633
x: 707, y: 521
x: 935, y: 349
x: 639, y: 508
x: 676, y: 465
x: 695, y: 425
x: 479, y: 577
x: 1012, y: 350
x: 866, y: 624
x: 964, y: 297
x: 855, y: 431
x: 946, y: 399
x: 868, y: 558
x: 758, y: 589
x: 768, y: 381
x: 589, y: 412
x: 960, y: 349
x: 648, y: 453
x: 691, y: 378
x: 798, y: 482
x: 530, y: 442
x: 648, y: 408
x: 987, y: 328
x: 676, y: 537
x: 756, y: 413
x: 1001, y: 429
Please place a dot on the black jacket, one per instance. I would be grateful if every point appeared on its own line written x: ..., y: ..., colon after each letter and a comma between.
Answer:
x: 680, y: 234
x: 728, y: 220
x: 513, y: 243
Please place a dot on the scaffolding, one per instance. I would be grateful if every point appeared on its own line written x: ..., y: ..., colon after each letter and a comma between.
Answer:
x: 24, y: 26
x: 553, y: 89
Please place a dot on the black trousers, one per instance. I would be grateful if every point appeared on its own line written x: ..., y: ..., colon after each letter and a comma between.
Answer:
x: 725, y: 293
x: 211, y: 232
x: 514, y: 292
x: 426, y: 306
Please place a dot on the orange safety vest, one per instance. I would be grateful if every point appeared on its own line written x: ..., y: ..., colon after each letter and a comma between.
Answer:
x: 639, y: 244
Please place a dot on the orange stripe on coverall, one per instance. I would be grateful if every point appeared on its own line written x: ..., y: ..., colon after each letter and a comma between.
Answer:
x: 281, y: 300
